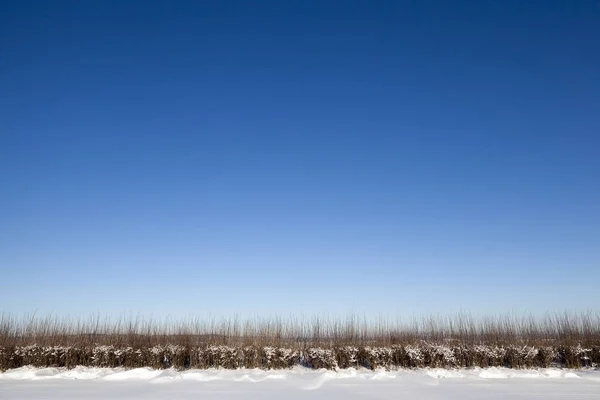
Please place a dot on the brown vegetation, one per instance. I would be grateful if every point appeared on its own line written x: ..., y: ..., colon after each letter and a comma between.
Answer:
x: 565, y: 340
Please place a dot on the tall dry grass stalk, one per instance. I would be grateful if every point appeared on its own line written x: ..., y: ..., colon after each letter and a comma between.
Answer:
x: 567, y: 339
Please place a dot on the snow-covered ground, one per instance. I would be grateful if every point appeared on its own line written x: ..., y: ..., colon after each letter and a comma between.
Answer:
x: 298, y: 383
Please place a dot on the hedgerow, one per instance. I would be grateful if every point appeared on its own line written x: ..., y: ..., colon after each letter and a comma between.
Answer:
x: 569, y: 341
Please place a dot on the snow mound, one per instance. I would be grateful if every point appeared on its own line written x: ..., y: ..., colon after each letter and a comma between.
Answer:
x: 259, y: 375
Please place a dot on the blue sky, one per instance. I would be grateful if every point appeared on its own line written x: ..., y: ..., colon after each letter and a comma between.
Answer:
x: 185, y: 158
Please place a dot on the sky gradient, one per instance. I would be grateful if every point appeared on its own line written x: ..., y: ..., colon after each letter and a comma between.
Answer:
x: 411, y: 157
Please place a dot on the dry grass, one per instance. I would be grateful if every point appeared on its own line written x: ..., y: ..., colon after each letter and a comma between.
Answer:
x: 569, y: 340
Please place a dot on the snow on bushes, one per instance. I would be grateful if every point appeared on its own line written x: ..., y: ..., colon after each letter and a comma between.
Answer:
x: 419, y: 355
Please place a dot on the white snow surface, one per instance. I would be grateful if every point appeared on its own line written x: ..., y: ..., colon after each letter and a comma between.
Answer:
x: 298, y: 383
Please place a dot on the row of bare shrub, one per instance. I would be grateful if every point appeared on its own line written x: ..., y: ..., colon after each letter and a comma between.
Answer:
x: 570, y: 340
x: 419, y: 355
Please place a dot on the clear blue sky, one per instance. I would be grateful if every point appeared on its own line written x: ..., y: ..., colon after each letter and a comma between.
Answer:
x: 181, y: 158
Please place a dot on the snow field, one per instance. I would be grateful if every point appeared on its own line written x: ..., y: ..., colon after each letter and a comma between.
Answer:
x: 29, y: 383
